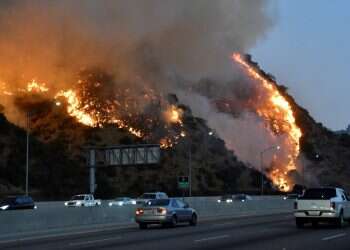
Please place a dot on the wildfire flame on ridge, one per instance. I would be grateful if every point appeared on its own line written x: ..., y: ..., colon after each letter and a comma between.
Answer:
x: 278, y: 111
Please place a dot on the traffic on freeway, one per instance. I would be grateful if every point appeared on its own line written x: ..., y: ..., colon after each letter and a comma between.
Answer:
x: 274, y: 232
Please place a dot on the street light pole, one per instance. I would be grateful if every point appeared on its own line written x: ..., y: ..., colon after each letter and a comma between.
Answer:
x: 27, y: 155
x: 190, y: 171
x: 262, y: 163
x: 261, y: 173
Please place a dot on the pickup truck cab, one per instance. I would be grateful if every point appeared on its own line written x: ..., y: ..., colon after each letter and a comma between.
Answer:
x: 82, y: 200
x: 322, y: 205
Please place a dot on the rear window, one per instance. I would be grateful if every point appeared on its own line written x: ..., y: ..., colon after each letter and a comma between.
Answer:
x: 159, y: 202
x: 78, y: 198
x: 148, y: 196
x: 319, y: 194
x: 226, y: 197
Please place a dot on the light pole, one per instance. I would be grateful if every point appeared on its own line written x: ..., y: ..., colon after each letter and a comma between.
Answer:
x: 261, y: 165
x: 27, y: 154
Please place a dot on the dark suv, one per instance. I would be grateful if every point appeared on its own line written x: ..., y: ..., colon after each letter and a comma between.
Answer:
x: 17, y: 202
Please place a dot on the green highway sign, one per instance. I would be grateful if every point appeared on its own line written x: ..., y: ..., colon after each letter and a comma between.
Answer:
x: 183, y: 182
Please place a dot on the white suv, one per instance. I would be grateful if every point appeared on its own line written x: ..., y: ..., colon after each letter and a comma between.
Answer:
x: 150, y: 196
x: 322, y: 205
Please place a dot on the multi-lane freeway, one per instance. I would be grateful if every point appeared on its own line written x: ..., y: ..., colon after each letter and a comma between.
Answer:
x: 258, y: 232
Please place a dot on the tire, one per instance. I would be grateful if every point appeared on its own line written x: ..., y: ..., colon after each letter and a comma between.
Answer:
x: 340, y: 220
x: 299, y: 222
x: 142, y: 225
x: 173, y: 222
x: 193, y: 221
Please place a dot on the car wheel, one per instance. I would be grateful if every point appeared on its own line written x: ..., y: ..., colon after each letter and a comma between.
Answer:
x: 299, y: 222
x: 340, y: 221
x: 193, y: 221
x: 142, y: 225
x: 173, y: 222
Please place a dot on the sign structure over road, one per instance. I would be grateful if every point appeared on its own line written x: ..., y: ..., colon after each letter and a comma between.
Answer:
x: 125, y: 155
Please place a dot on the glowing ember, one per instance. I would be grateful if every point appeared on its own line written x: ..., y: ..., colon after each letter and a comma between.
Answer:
x: 279, y: 113
x: 174, y: 115
x: 34, y: 86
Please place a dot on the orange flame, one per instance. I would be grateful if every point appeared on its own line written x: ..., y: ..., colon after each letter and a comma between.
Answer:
x: 277, y: 110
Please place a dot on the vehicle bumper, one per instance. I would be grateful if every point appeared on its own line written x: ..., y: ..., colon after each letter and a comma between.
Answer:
x: 153, y: 219
x: 316, y: 215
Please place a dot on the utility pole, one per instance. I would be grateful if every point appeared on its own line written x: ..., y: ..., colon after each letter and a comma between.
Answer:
x: 27, y: 154
x: 261, y: 173
x: 190, y: 170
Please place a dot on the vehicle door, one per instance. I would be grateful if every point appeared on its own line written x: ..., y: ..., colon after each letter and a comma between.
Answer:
x: 186, y: 212
x: 346, y: 204
x: 87, y: 202
x: 175, y: 206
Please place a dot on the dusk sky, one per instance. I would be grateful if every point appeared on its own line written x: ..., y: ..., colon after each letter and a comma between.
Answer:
x: 308, y: 50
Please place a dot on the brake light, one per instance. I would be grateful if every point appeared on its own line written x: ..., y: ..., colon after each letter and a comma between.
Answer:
x: 139, y: 211
x: 295, y: 205
x: 161, y: 211
x: 333, y: 205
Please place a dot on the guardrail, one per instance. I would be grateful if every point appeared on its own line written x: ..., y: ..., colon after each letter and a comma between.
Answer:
x: 54, y: 215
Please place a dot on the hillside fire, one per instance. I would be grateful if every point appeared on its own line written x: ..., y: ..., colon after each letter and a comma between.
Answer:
x: 275, y: 109
x: 97, y: 100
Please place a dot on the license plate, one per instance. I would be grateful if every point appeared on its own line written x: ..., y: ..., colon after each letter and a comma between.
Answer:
x: 314, y: 213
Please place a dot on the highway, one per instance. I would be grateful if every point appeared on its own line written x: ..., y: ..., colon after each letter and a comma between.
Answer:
x: 255, y: 232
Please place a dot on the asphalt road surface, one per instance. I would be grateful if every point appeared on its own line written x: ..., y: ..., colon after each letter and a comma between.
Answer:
x: 260, y: 232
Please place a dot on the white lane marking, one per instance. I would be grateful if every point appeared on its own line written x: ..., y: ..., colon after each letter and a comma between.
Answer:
x: 49, y: 236
x: 92, y: 241
x: 334, y: 237
x: 213, y: 238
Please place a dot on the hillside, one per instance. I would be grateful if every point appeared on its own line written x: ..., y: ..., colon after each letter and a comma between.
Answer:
x: 58, y: 170
x: 326, y: 154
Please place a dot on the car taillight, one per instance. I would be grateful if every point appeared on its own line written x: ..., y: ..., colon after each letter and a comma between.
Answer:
x: 161, y: 211
x: 295, y: 205
x: 333, y: 205
x: 139, y: 211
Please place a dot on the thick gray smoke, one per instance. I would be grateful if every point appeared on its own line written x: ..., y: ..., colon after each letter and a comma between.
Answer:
x: 52, y: 39
x: 151, y: 42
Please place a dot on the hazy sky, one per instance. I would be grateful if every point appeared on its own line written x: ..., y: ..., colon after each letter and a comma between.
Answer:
x: 308, y: 50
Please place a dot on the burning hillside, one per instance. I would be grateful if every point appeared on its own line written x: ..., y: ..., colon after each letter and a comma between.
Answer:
x: 95, y: 101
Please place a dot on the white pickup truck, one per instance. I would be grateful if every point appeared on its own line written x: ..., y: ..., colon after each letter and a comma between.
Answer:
x: 322, y: 205
x: 82, y: 200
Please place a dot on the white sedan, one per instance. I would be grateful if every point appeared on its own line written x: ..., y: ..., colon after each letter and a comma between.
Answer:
x: 122, y: 201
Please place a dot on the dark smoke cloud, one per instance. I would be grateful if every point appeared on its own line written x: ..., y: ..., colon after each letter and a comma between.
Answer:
x: 165, y: 44
x: 53, y: 39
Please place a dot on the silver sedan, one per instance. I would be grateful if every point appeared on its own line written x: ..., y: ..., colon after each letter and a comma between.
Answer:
x: 165, y: 212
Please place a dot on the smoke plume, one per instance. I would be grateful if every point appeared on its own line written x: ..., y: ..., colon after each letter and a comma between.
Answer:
x: 164, y: 44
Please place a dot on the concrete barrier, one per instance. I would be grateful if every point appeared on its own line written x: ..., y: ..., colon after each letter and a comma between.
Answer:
x: 54, y: 215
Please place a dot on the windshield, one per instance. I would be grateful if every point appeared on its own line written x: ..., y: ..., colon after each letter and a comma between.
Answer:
x: 9, y: 200
x: 78, y: 198
x: 226, y: 197
x: 148, y: 196
x: 159, y: 202
x: 120, y: 199
x: 240, y: 197
x: 319, y: 194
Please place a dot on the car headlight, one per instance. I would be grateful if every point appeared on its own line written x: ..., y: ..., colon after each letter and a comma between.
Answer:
x: 4, y: 207
x: 78, y: 203
x: 285, y: 198
x: 35, y: 207
x: 120, y: 203
x: 219, y: 201
x: 110, y: 204
x: 133, y: 202
x: 66, y: 203
x: 228, y: 201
